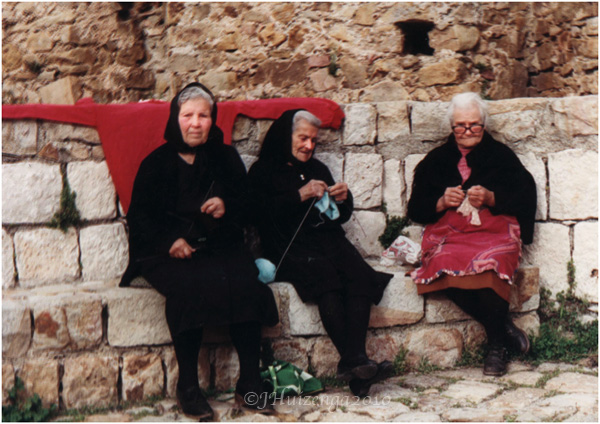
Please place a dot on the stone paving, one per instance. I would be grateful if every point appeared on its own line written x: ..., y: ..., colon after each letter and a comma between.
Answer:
x: 548, y: 392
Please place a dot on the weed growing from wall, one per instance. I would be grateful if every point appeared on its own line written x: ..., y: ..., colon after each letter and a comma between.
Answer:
x: 333, y: 65
x: 68, y: 215
x: 25, y: 410
x: 400, y: 364
x: 394, y: 227
x: 562, y: 335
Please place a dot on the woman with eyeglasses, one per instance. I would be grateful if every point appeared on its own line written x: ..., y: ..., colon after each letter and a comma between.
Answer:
x: 478, y: 203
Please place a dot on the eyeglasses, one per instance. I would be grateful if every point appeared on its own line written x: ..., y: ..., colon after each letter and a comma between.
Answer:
x: 461, y: 129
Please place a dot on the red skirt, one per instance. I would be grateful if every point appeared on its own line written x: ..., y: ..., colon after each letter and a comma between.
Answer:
x: 454, y: 247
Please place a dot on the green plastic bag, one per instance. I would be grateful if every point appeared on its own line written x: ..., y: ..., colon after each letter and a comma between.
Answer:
x: 289, y: 380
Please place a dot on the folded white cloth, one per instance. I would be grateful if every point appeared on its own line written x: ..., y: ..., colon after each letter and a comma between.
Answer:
x: 402, y: 249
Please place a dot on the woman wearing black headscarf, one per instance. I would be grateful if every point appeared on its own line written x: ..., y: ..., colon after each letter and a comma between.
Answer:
x: 186, y: 239
x: 324, y: 267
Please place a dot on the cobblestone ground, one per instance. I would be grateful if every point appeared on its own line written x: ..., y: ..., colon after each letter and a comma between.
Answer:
x: 548, y: 392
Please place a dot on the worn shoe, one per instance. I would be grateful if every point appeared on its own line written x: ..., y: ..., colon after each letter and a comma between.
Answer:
x: 364, y: 370
x: 516, y: 338
x: 193, y: 403
x: 254, y: 397
x: 257, y: 402
x: 361, y: 388
x: 495, y: 362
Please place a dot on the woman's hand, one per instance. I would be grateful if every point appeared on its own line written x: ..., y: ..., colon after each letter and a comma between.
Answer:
x: 314, y: 188
x: 339, y: 191
x: 452, y: 198
x: 181, y: 249
x: 214, y: 206
x: 479, y: 195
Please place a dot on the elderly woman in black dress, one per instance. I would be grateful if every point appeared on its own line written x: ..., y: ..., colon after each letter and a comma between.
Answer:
x: 186, y: 239
x: 479, y: 203
x: 324, y: 267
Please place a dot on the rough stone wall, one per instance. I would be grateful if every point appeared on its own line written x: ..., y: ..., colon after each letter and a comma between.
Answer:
x: 77, y: 339
x: 348, y: 52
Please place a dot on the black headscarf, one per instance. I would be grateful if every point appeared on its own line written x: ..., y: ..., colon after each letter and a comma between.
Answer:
x: 277, y: 146
x: 173, y: 131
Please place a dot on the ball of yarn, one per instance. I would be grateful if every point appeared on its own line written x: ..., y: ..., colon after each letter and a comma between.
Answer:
x: 266, y: 270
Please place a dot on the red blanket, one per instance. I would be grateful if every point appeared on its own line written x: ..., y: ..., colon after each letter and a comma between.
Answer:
x: 129, y: 132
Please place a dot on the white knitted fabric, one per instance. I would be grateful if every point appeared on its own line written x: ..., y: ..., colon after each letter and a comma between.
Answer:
x: 466, y: 209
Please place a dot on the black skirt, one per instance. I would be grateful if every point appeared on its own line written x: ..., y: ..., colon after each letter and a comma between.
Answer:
x: 214, y: 288
x: 327, y: 261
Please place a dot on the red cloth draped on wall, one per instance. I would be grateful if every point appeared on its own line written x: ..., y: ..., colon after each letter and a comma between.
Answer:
x: 129, y: 132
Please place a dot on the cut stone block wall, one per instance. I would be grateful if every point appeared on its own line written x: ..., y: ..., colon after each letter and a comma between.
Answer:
x: 74, y: 337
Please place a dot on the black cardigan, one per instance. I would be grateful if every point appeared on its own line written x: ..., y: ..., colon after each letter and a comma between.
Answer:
x: 493, y: 166
x: 275, y: 188
x: 154, y: 198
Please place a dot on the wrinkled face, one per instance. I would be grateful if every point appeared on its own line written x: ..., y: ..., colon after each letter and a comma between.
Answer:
x: 195, y: 121
x: 304, y: 140
x: 467, y: 118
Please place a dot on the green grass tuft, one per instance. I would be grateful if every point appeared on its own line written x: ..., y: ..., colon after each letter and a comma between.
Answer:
x: 562, y: 336
x: 21, y: 409
x: 400, y: 365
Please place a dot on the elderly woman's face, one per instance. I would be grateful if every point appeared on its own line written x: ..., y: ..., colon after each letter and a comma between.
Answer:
x: 195, y: 121
x: 304, y: 140
x: 469, y: 119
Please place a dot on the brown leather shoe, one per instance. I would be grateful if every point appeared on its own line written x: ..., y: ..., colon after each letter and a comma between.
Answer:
x: 516, y: 338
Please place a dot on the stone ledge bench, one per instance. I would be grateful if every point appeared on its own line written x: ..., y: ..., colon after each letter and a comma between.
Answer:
x: 102, y: 343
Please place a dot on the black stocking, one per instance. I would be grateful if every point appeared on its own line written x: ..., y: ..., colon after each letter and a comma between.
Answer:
x: 358, y: 312
x: 187, y: 348
x: 333, y: 317
x: 246, y: 339
x: 486, y: 307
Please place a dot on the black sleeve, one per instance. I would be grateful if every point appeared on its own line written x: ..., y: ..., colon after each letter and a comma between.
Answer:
x: 515, y: 193
x: 425, y: 194
x: 147, y: 212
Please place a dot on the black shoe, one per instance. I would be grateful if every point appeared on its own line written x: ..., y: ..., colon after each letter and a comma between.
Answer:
x: 256, y: 402
x: 364, y: 369
x: 361, y: 388
x: 516, y: 338
x: 192, y: 402
x: 256, y: 398
x: 495, y: 362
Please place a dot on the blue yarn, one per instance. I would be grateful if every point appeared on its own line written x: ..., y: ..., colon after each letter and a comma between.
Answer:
x: 266, y: 270
x: 325, y: 205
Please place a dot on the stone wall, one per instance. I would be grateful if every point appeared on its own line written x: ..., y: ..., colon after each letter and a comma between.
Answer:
x: 349, y: 52
x: 74, y: 337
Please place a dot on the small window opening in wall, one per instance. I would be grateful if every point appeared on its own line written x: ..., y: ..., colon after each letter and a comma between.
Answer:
x: 416, y: 37
x: 124, y: 14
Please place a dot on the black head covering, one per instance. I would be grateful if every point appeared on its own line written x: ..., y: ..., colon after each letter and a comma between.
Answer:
x: 277, y: 146
x: 173, y: 131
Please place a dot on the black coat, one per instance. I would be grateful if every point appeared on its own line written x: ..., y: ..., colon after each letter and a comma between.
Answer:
x: 153, y: 221
x: 275, y: 187
x: 218, y: 285
x: 493, y: 166
x: 320, y: 259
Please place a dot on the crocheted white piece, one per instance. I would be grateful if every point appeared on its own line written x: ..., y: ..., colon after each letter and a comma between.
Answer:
x: 466, y: 209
